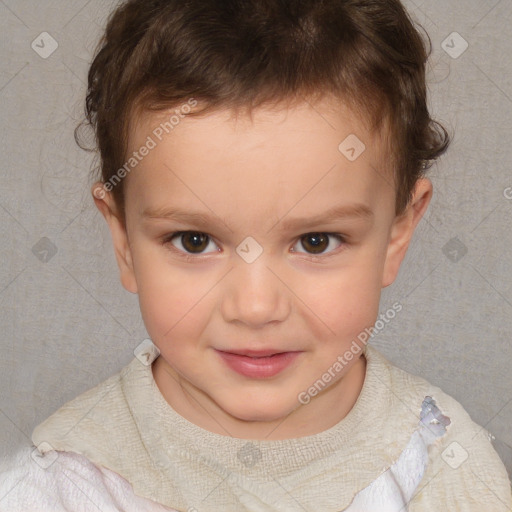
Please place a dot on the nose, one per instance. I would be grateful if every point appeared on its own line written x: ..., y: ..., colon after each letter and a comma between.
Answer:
x: 255, y: 295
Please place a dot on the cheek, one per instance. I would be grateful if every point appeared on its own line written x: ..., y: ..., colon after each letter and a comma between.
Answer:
x: 343, y: 302
x: 173, y: 303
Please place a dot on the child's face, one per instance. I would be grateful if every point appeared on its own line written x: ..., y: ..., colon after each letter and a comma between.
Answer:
x: 266, y: 184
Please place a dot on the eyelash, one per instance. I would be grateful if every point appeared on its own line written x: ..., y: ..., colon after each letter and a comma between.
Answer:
x: 166, y: 241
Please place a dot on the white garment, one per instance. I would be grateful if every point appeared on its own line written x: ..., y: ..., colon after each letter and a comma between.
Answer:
x: 394, y: 489
x: 70, y: 483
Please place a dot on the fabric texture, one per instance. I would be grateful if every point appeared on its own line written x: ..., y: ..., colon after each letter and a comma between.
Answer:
x: 69, y: 482
x: 124, y: 424
x: 65, y: 482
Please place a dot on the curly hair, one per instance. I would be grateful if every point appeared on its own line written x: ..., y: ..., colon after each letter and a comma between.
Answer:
x: 156, y: 55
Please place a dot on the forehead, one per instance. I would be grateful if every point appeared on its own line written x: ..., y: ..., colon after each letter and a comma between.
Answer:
x: 275, y: 156
x: 328, y: 111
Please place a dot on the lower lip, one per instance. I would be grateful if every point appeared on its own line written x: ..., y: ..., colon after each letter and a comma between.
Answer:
x: 260, y: 367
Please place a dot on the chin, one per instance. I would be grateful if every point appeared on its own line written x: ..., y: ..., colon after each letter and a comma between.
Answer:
x: 262, y: 410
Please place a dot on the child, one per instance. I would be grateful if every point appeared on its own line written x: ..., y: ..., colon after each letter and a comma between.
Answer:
x: 262, y: 176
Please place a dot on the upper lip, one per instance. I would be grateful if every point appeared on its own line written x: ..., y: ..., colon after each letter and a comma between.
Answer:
x: 255, y: 353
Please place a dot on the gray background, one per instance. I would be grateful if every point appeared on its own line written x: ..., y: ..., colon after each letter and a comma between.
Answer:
x: 67, y: 323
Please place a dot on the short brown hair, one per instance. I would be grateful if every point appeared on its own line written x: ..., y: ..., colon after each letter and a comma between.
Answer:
x: 158, y: 54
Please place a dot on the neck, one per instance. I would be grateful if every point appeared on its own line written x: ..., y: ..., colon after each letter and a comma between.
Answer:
x: 323, y: 412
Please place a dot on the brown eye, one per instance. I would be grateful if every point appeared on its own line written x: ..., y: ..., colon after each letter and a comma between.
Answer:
x: 318, y: 243
x: 190, y: 242
x: 194, y: 242
x: 315, y: 243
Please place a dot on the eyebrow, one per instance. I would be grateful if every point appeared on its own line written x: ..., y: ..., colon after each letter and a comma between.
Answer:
x: 186, y: 217
x: 355, y: 211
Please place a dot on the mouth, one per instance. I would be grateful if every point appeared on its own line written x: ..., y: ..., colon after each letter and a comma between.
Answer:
x: 258, y: 363
x: 256, y: 354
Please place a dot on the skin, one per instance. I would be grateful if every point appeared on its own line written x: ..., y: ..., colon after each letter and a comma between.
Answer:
x: 252, y: 176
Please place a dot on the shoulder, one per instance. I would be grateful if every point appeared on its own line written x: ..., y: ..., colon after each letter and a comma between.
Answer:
x: 94, y: 419
x: 64, y: 481
x: 464, y: 471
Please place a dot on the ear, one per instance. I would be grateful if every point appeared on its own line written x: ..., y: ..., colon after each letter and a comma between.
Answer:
x: 106, y: 205
x: 403, y: 228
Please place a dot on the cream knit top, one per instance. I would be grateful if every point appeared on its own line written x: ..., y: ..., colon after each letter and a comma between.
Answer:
x: 126, y: 425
